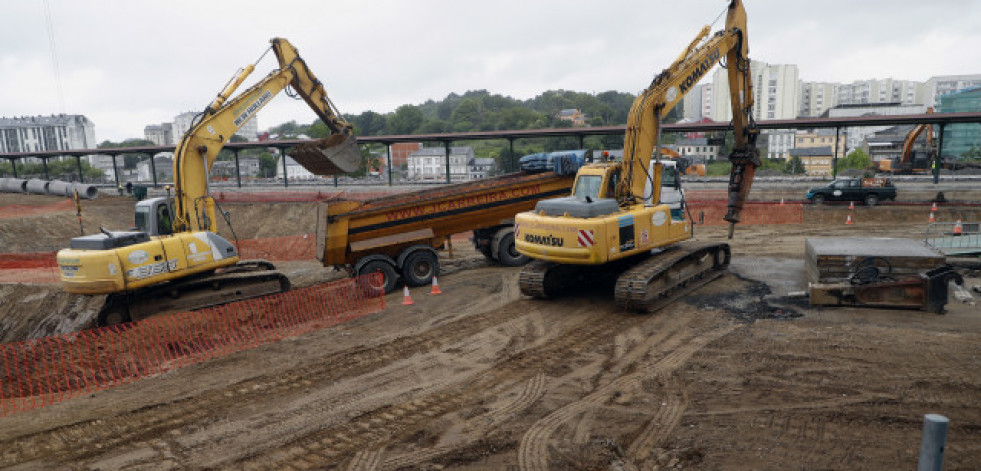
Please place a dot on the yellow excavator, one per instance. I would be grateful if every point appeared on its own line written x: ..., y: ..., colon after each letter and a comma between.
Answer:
x: 909, y: 161
x: 175, y: 260
x: 616, y: 223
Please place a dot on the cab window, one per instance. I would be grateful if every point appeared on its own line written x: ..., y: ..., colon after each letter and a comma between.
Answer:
x: 669, y: 177
x: 588, y: 185
x: 163, y: 220
x: 142, y: 218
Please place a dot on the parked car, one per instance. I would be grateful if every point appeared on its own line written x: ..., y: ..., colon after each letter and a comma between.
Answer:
x: 868, y: 190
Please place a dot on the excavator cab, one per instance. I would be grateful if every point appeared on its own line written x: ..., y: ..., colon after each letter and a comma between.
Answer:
x: 155, y: 216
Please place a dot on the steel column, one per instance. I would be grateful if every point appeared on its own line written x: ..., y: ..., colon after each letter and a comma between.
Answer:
x: 44, y: 162
x: 78, y: 163
x: 834, y: 163
x: 238, y: 171
x: 115, y: 169
x: 153, y: 169
x: 938, y: 159
x: 286, y: 176
x: 446, y: 144
x: 388, y: 147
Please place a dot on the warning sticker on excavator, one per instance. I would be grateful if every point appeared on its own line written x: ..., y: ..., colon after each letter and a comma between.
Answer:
x: 586, y: 238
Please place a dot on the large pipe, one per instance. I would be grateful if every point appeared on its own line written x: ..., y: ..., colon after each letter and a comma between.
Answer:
x: 60, y: 188
x: 13, y: 185
x: 37, y: 186
x: 89, y: 192
x: 63, y: 188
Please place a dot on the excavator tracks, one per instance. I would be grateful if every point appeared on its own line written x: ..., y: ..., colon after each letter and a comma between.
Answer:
x: 245, y: 280
x: 642, y: 285
x: 664, y: 277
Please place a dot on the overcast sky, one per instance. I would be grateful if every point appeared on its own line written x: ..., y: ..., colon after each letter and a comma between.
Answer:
x: 128, y: 63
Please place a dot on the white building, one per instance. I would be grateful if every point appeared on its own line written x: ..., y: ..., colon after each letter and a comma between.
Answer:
x: 482, y: 167
x: 294, y: 171
x: 159, y: 134
x: 182, y: 123
x: 46, y: 133
x: 936, y: 87
x: 429, y: 163
x: 698, y: 150
x: 817, y: 97
x: 879, y: 91
x: 776, y: 91
x: 779, y: 142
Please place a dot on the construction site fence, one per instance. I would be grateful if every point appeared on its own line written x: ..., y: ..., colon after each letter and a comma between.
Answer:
x: 41, y: 372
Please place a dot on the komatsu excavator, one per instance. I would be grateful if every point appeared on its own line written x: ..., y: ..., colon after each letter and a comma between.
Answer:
x: 616, y: 221
x: 175, y: 259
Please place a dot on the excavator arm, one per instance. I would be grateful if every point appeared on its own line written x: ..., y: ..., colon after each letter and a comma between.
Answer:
x: 213, y: 127
x: 642, y: 139
x: 906, y: 157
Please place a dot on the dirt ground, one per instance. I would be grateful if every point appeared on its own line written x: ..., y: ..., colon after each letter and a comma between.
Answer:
x: 734, y: 376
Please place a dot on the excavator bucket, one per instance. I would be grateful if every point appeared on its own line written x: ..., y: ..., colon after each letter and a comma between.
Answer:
x: 334, y: 155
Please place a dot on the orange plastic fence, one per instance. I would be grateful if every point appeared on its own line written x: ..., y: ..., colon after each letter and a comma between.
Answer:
x: 44, y: 371
x: 710, y: 213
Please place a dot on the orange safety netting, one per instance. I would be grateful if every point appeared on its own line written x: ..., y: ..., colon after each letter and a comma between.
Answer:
x: 28, y: 260
x: 40, y: 372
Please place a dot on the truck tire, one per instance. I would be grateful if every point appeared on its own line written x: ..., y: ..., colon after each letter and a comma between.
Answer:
x: 818, y: 199
x: 388, y: 282
x: 871, y: 199
x: 419, y: 268
x: 507, y: 254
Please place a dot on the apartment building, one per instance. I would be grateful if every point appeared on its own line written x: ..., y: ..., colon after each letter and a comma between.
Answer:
x: 776, y: 91
x: 817, y: 97
x: 936, y: 87
x: 46, y: 133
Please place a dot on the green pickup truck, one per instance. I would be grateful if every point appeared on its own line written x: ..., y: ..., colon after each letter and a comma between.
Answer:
x: 868, y: 190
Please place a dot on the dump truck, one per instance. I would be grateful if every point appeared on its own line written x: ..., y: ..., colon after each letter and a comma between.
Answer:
x: 400, y: 235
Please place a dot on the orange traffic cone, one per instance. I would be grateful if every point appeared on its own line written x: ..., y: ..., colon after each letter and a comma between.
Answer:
x: 958, y: 228
x: 849, y: 220
x: 932, y: 219
x: 435, y: 287
x: 406, y: 299
x: 934, y: 208
x: 851, y: 205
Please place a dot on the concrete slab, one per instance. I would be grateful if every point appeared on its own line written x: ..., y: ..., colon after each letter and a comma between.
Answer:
x: 833, y: 259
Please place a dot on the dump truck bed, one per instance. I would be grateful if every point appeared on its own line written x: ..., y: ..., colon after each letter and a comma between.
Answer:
x: 349, y: 230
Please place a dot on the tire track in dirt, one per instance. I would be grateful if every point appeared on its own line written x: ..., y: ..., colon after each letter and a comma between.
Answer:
x: 320, y: 448
x: 475, y: 428
x: 87, y: 439
x: 533, y: 451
